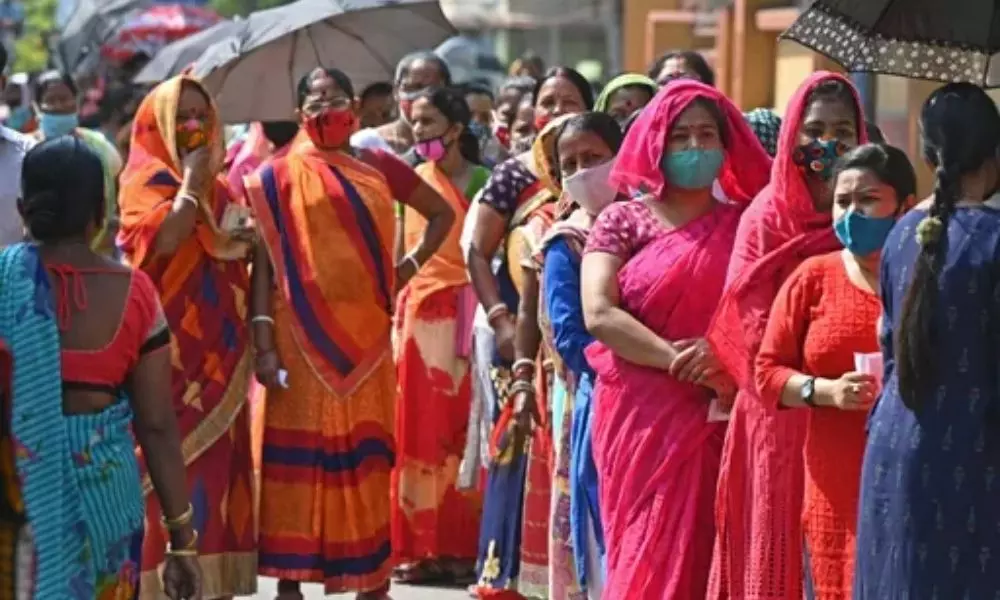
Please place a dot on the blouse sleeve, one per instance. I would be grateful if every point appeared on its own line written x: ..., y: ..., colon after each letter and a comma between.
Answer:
x: 402, y: 179
x: 564, y: 305
x: 780, y: 354
x: 504, y: 187
x: 612, y: 233
x: 152, y: 329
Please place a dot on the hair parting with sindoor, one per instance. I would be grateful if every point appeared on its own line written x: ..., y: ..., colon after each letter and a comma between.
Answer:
x: 961, y: 132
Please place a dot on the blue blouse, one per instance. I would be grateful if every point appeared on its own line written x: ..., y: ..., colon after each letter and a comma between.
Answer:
x: 561, y: 280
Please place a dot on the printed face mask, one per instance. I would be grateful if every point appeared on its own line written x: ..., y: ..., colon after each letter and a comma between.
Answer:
x: 692, y: 169
x: 590, y: 188
x: 863, y: 235
x: 432, y: 150
x: 191, y: 134
x: 330, y: 128
x: 818, y: 157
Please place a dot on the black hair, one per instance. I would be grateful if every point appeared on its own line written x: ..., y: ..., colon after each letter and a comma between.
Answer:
x: 839, y: 91
x: 3, y: 60
x: 338, y: 77
x: 694, y: 60
x: 961, y: 130
x: 450, y: 102
x: 60, y: 208
x: 404, y: 66
x: 888, y: 163
x: 573, y: 76
x: 279, y: 133
x: 600, y: 124
x: 379, y: 88
x: 471, y: 88
x: 50, y: 78
x: 875, y: 134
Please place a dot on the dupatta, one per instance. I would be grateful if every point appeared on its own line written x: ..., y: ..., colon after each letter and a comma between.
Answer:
x: 326, y: 219
x: 779, y: 230
x: 203, y: 285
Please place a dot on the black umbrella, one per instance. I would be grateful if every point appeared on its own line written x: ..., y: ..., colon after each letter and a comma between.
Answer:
x: 90, y: 25
x: 941, y: 40
x: 177, y: 56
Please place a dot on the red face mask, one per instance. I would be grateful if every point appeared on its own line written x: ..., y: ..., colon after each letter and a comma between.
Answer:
x: 331, y: 129
x: 502, y: 133
x: 541, y: 121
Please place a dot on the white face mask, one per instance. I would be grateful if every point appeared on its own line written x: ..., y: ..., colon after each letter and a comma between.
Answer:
x: 590, y: 188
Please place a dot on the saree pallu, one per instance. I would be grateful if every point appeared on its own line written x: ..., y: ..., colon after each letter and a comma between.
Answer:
x: 656, y: 452
x: 77, y: 475
x: 326, y: 220
x: 432, y: 517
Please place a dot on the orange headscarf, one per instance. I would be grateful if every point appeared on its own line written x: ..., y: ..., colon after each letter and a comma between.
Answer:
x: 154, y: 174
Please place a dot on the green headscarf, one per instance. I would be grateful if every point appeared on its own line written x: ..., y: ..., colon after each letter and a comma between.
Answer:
x: 620, y: 82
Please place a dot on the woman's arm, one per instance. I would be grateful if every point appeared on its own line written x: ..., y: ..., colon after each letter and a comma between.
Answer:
x: 487, y: 235
x: 608, y: 323
x: 179, y: 223
x: 564, y: 306
x: 266, y: 364
x: 156, y: 431
x: 528, y: 336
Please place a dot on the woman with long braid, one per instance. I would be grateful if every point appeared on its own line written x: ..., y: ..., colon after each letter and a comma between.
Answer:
x: 928, y: 508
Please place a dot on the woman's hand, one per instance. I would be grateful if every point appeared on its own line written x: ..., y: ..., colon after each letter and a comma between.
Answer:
x: 526, y: 410
x: 504, y: 329
x: 197, y: 171
x: 853, y: 391
x: 182, y: 577
x: 405, y: 271
x: 694, y: 361
x: 266, y: 368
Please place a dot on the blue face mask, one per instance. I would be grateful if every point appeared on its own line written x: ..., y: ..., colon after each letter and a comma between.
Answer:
x: 480, y: 131
x: 818, y: 157
x: 692, y: 169
x: 54, y: 125
x: 863, y: 235
x: 18, y: 118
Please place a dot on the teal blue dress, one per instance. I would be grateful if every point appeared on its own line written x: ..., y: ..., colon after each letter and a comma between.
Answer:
x: 78, y: 473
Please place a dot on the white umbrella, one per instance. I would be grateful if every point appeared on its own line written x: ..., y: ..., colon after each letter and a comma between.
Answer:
x: 253, y: 76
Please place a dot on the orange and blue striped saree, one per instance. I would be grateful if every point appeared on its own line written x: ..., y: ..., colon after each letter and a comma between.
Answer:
x: 203, y: 287
x: 327, y: 221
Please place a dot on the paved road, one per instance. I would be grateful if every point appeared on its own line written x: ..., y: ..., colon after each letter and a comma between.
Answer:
x: 267, y: 590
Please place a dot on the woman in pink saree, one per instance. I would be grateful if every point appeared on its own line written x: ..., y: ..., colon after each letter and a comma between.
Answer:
x: 653, y: 271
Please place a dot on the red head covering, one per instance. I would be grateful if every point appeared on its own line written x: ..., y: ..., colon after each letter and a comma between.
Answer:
x: 779, y: 230
x: 744, y: 172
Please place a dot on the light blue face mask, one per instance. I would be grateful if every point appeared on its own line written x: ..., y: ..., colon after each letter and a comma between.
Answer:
x: 18, y: 118
x: 863, y: 235
x: 54, y: 125
x: 692, y: 169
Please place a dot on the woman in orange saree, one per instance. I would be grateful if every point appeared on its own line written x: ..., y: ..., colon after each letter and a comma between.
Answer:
x: 172, y: 204
x: 435, y: 523
x: 322, y: 338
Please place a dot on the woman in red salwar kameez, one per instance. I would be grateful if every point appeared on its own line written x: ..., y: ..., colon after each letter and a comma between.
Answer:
x: 653, y: 270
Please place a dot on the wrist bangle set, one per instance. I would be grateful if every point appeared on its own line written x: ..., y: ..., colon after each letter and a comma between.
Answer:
x: 174, y: 524
x: 496, y: 310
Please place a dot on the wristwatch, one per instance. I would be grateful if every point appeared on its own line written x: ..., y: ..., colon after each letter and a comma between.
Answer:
x: 809, y: 391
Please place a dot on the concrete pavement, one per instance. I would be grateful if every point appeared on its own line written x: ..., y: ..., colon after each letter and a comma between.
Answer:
x: 267, y: 590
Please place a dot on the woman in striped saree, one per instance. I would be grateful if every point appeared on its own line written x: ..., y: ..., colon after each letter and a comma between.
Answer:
x: 322, y: 337
x: 172, y: 203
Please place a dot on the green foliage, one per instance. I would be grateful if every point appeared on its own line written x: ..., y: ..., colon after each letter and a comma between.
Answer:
x: 229, y: 8
x: 39, y: 22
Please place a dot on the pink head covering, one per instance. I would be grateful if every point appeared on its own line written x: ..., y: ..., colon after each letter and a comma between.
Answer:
x: 744, y: 172
x: 779, y: 230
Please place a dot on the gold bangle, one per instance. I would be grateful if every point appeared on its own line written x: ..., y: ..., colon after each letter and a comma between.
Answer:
x: 190, y: 550
x: 181, y: 520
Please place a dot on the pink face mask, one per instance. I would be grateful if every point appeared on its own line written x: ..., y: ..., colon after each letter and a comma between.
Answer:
x: 431, y: 150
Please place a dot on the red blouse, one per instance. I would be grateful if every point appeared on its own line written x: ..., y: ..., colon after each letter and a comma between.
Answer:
x: 819, y: 320
x: 142, y: 329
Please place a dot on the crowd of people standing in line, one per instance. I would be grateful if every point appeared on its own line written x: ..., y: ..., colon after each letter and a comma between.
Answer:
x: 634, y: 346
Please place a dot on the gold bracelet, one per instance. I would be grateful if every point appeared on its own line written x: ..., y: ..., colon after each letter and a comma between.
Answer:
x: 181, y: 520
x: 190, y: 550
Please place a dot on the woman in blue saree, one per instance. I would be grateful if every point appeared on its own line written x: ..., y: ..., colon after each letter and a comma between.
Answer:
x: 86, y: 361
